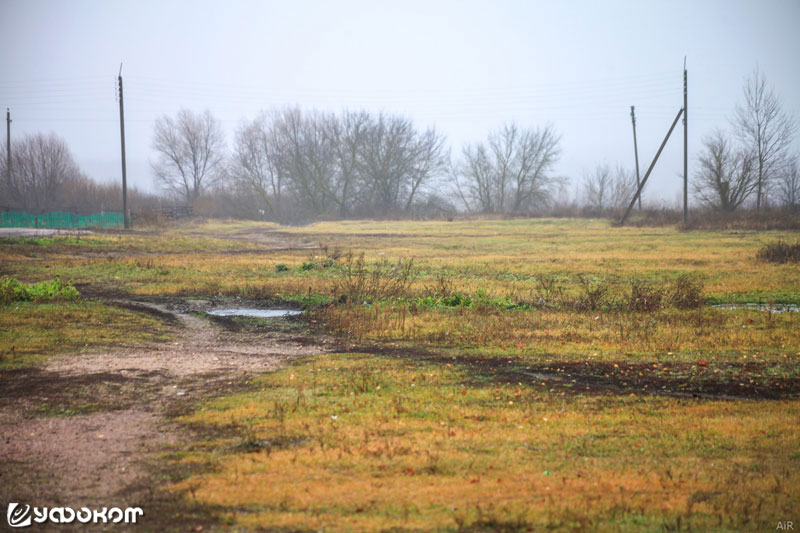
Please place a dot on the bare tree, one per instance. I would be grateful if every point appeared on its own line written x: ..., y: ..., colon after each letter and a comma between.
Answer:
x: 511, y: 173
x: 307, y: 158
x: 396, y: 162
x: 597, y: 187
x: 789, y: 185
x: 335, y: 165
x: 348, y: 134
x: 387, y: 158
x: 42, y: 166
x: 606, y: 189
x: 725, y: 177
x: 191, y: 152
x: 429, y: 160
x: 255, y: 164
x: 764, y: 129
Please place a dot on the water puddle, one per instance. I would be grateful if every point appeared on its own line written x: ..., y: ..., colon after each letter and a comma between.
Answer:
x: 776, y: 308
x: 255, y: 313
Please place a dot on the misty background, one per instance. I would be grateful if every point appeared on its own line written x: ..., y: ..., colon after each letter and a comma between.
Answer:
x: 465, y: 68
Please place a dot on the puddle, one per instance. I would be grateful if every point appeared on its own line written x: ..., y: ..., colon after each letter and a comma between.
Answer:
x: 777, y: 308
x: 255, y: 313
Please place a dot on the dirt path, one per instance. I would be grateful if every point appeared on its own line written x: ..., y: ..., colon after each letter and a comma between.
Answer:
x: 82, y: 430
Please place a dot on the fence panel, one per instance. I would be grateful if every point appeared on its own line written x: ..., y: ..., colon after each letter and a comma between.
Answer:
x: 60, y: 219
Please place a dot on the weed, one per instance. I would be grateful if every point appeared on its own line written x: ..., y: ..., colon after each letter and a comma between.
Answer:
x: 550, y: 290
x: 779, y: 252
x: 594, y: 293
x: 644, y: 297
x: 11, y: 290
x: 358, y: 280
x: 686, y: 292
x: 442, y: 287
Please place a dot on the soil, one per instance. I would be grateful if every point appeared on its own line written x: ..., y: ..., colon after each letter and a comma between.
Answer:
x: 86, y: 430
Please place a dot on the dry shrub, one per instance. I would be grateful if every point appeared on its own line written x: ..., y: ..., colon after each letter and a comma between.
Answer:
x: 358, y: 280
x: 779, y: 252
x: 550, y: 291
x: 644, y: 297
x: 593, y: 293
x: 686, y: 292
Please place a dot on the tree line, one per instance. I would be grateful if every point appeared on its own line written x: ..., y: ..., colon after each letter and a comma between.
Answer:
x: 292, y: 165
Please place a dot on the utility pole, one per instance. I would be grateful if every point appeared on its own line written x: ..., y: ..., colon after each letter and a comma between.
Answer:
x: 636, y: 153
x: 8, y: 152
x: 122, y: 141
x: 685, y: 148
x: 650, y: 169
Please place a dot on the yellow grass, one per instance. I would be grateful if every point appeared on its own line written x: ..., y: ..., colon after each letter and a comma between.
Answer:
x: 377, y: 443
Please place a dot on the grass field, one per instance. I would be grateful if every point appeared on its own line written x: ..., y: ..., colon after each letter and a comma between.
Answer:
x: 499, y: 375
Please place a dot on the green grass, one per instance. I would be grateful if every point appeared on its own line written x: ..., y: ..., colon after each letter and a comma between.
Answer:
x: 31, y: 332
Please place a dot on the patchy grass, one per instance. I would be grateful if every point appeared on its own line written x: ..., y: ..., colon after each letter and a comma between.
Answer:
x: 360, y: 442
x: 29, y: 332
x: 502, y: 258
x: 573, y: 335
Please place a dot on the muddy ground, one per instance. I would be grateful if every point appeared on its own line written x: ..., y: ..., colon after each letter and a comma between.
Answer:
x: 86, y: 430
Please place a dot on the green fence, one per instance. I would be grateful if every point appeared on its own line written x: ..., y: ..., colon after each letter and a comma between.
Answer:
x: 60, y: 219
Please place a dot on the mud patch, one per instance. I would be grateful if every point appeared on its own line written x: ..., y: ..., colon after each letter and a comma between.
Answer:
x: 250, y: 312
x: 774, y: 308
x: 758, y: 380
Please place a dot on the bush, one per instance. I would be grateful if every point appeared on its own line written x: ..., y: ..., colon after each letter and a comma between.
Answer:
x: 593, y: 293
x: 11, y: 290
x: 644, y: 297
x: 686, y: 292
x: 359, y: 281
x: 779, y: 252
x: 280, y: 267
x: 549, y: 291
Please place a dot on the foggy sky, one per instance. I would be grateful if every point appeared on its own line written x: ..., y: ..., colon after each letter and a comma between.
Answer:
x: 464, y: 67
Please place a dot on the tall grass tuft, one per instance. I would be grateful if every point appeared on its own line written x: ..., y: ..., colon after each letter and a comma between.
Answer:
x: 383, y: 280
x: 779, y: 252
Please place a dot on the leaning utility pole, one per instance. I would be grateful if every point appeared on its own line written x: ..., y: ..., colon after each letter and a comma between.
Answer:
x: 8, y: 152
x: 649, y: 170
x: 636, y: 153
x: 122, y: 141
x: 685, y: 148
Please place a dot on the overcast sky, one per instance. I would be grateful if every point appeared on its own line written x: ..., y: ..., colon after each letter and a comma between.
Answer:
x: 464, y: 67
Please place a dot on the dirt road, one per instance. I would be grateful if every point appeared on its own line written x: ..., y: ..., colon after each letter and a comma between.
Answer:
x: 86, y: 429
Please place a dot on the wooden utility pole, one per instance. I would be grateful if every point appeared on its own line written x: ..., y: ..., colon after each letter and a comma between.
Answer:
x: 636, y: 153
x: 650, y: 169
x: 8, y: 152
x: 122, y: 141
x: 685, y: 148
